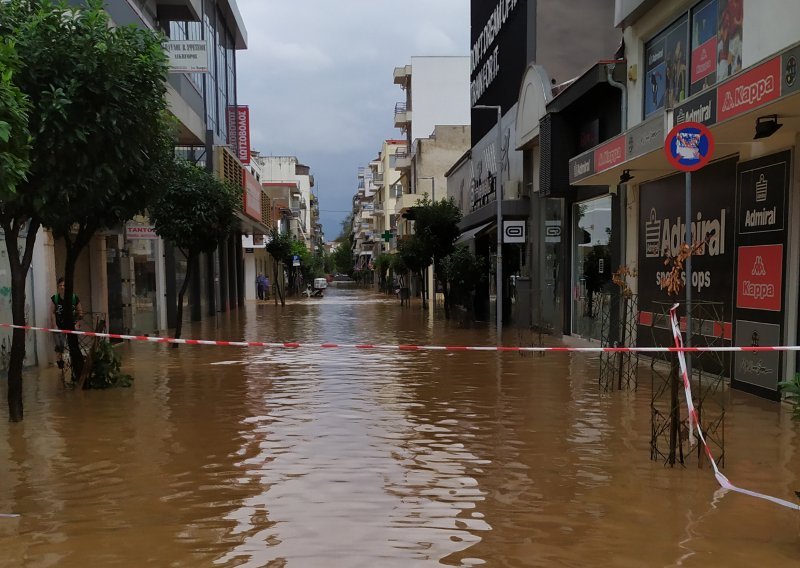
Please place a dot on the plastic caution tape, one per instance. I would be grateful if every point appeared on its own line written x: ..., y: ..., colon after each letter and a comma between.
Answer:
x: 400, y: 347
x: 694, y: 421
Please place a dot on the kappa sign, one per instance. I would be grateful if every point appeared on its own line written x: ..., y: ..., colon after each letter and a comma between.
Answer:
x: 759, y: 277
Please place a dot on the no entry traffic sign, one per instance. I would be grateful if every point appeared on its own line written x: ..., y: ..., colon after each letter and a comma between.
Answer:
x: 689, y: 146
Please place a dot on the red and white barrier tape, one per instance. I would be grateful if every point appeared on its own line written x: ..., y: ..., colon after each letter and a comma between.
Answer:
x: 401, y: 347
x: 694, y: 421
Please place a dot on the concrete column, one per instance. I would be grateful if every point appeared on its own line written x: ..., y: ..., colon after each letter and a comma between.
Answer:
x: 43, y: 284
x: 161, y: 286
x: 99, y: 275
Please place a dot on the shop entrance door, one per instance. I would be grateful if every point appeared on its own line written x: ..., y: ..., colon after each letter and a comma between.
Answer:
x: 591, y: 264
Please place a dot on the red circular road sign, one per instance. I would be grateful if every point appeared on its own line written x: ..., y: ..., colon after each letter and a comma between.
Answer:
x: 689, y: 146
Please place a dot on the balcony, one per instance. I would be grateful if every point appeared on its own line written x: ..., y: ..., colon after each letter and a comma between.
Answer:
x: 405, y: 201
x: 402, y: 116
x: 377, y: 179
x: 402, y: 75
x: 402, y: 159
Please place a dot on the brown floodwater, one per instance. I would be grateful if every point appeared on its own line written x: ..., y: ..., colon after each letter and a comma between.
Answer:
x: 222, y: 456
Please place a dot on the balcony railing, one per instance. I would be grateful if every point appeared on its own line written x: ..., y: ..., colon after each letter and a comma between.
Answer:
x: 402, y: 115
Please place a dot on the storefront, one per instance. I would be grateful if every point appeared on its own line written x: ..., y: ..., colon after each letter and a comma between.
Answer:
x: 744, y: 207
x: 578, y: 244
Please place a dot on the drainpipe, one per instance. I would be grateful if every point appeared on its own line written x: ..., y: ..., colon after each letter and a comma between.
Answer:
x: 623, y: 90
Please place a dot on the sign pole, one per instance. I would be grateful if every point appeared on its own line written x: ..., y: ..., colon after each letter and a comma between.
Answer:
x: 689, y: 146
x: 688, y: 267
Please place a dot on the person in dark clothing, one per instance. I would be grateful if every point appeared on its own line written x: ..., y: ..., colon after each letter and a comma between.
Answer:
x: 57, y: 319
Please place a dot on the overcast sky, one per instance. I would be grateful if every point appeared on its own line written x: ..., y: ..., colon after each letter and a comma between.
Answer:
x: 317, y: 76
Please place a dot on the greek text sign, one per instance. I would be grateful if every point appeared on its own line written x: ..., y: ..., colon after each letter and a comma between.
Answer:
x: 187, y: 56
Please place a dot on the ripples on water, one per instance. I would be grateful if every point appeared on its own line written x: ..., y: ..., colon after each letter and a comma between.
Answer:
x: 229, y: 457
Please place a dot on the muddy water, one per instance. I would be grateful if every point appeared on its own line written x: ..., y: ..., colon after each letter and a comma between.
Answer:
x: 228, y: 457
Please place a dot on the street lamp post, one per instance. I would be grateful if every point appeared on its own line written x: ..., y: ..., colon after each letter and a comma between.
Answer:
x: 499, y: 199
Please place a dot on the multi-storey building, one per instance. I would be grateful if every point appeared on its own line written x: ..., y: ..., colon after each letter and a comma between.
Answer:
x: 730, y: 65
x: 127, y: 273
x: 288, y: 184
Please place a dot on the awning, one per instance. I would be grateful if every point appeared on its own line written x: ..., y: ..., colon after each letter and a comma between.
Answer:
x: 729, y: 109
x: 471, y: 233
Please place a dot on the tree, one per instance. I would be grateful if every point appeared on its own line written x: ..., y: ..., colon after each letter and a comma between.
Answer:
x: 461, y: 272
x: 415, y: 255
x: 279, y: 246
x: 97, y: 126
x: 436, y: 228
x: 14, y: 164
x: 343, y: 259
x: 383, y: 264
x: 194, y: 212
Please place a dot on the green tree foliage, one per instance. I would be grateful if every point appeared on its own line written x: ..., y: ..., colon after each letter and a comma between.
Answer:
x: 382, y: 266
x: 14, y: 135
x: 97, y: 125
x: 279, y: 246
x: 461, y: 272
x: 343, y: 259
x: 435, y: 233
x: 194, y: 211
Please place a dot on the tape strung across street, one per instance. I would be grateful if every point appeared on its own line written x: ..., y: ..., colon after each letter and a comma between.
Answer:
x: 694, y: 422
x: 401, y: 347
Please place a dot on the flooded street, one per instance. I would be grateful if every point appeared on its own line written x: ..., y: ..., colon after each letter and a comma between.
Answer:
x: 221, y: 456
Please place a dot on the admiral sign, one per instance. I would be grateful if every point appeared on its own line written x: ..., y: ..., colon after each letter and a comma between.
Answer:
x: 702, y: 109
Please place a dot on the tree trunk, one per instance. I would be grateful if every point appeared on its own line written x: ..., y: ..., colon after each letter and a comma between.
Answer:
x: 278, y: 277
x: 74, y: 248
x: 190, y: 260
x: 19, y: 274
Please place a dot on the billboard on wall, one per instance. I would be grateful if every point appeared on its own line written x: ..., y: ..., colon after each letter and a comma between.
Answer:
x: 498, y: 57
x: 762, y: 193
x: 662, y: 227
x: 239, y: 132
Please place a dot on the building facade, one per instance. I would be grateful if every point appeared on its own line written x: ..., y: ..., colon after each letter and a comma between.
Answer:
x: 732, y: 66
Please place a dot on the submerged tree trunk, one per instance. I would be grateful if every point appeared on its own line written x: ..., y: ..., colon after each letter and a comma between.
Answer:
x: 277, y: 282
x: 190, y: 260
x: 19, y: 273
x: 74, y: 248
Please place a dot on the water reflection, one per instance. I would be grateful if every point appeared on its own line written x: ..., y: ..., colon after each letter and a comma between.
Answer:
x: 229, y: 457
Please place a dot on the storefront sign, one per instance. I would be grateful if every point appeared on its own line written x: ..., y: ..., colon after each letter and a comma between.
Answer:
x: 552, y: 231
x: 646, y: 137
x: 789, y: 63
x: 239, y: 132
x: 750, y: 89
x: 581, y: 167
x: 609, y: 154
x: 758, y: 368
x: 702, y: 109
x: 187, y: 56
x: 762, y: 195
x: 662, y: 230
x: 251, y: 195
x: 140, y: 232
x: 689, y: 146
x: 759, y: 277
x: 513, y: 231
x: 761, y: 198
